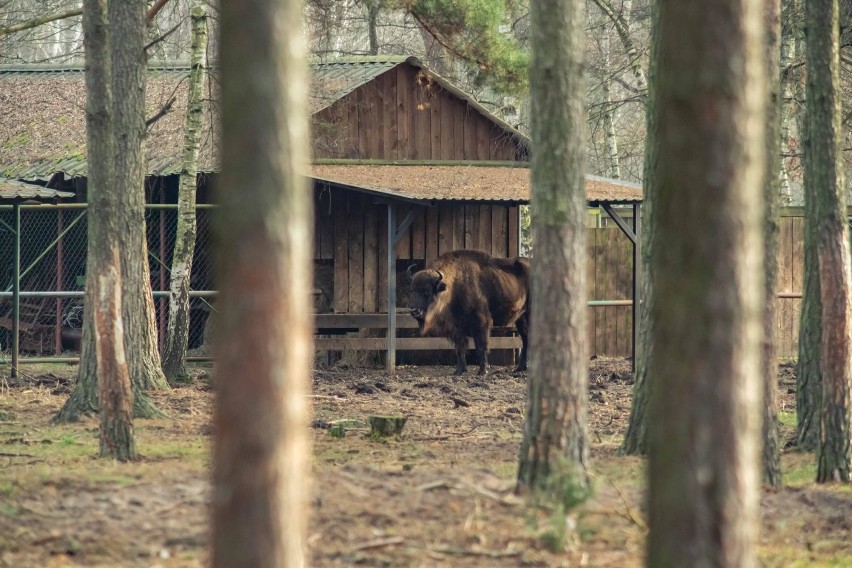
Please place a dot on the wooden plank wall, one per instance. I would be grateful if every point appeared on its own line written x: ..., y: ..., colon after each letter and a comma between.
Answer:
x: 404, y: 115
x: 351, y: 230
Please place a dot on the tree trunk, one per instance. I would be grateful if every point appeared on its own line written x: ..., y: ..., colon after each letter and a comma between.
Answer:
x: 636, y: 438
x: 790, y: 26
x: 610, y: 111
x: 261, y: 449
x: 621, y: 21
x: 127, y: 21
x: 705, y: 418
x: 771, y: 190
x: 555, y: 449
x: 373, y: 8
x: 114, y: 390
x: 177, y: 332
x: 824, y: 178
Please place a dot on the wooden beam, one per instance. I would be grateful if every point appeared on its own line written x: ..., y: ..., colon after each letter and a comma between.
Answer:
x: 622, y: 224
x: 404, y: 343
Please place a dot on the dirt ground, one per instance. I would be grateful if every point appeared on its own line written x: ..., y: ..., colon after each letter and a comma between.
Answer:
x: 439, y: 495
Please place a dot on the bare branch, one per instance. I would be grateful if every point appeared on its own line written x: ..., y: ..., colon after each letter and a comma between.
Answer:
x: 30, y: 24
x: 155, y: 9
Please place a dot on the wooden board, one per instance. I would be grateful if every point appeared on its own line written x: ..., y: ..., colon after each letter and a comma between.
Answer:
x: 470, y: 131
x: 499, y: 231
x: 431, y: 215
x: 435, y: 125
x: 355, y: 226
x: 483, y: 138
x: 403, y: 247
x: 458, y: 227
x: 403, y: 114
x: 591, y: 290
x: 798, y: 265
x: 324, y: 224
x: 471, y: 226
x: 785, y: 317
x: 447, y: 151
x: 446, y: 226
x: 459, y: 111
x: 404, y: 343
x: 382, y: 283
x: 421, y: 116
x: 371, y: 255
x: 418, y: 235
x: 339, y: 204
x: 484, y: 239
x: 389, y: 109
x: 514, y: 231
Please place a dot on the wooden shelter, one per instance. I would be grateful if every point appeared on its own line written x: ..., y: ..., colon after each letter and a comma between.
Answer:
x: 407, y: 166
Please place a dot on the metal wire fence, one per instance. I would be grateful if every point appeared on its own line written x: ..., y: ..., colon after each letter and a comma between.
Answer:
x: 52, y: 278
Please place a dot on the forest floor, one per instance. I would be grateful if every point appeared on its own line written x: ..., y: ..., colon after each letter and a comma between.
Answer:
x: 439, y: 495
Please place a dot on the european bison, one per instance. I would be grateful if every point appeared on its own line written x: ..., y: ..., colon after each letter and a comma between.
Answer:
x: 464, y: 293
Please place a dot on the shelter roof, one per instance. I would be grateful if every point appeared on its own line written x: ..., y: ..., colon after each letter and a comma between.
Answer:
x: 461, y: 182
x: 14, y: 190
x: 42, y: 126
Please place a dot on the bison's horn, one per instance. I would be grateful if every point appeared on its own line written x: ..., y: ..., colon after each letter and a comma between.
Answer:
x: 410, y: 269
x: 440, y: 276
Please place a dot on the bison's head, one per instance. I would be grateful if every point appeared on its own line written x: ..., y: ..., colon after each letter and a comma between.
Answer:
x: 426, y: 285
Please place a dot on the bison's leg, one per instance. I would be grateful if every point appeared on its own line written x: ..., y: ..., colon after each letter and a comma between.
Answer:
x: 459, y: 341
x: 523, y: 326
x: 480, y: 341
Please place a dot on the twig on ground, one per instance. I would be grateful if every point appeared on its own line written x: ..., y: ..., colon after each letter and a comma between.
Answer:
x: 14, y: 455
x: 473, y: 552
x: 628, y: 510
x: 378, y: 543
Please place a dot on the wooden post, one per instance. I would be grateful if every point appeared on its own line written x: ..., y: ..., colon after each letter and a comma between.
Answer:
x: 637, y: 285
x: 391, y: 354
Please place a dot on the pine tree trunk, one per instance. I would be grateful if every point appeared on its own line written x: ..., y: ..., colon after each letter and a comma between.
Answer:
x: 771, y: 189
x: 100, y: 150
x: 127, y: 23
x: 555, y: 448
x: 261, y: 449
x: 705, y: 418
x: 177, y: 332
x: 824, y: 178
x: 808, y: 373
x: 636, y: 438
x: 114, y: 389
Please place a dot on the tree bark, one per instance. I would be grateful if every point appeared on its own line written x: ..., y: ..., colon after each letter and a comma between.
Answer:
x: 114, y: 390
x: 621, y: 21
x: 127, y: 21
x: 636, y: 438
x: 824, y: 178
x: 177, y: 332
x: 771, y: 195
x: 261, y: 447
x: 554, y: 450
x: 705, y: 418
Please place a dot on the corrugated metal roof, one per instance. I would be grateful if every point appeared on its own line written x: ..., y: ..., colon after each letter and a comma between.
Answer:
x: 462, y: 183
x: 14, y: 190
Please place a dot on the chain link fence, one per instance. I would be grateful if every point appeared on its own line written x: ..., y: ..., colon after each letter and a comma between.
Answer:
x: 53, y: 276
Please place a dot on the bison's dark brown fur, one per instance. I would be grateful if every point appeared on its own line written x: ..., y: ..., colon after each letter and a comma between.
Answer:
x: 464, y: 293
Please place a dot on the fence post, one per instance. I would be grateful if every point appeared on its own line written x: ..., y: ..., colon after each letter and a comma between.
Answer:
x: 16, y: 292
x: 391, y: 260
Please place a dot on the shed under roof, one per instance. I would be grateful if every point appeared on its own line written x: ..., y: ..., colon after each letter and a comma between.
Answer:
x: 462, y: 183
x: 14, y: 190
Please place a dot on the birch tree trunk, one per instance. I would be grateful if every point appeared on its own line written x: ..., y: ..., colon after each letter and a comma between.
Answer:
x: 261, y: 448
x: 177, y: 332
x: 771, y: 195
x: 705, y: 421
x: 554, y: 450
x: 824, y: 178
x: 610, y: 113
x: 621, y: 21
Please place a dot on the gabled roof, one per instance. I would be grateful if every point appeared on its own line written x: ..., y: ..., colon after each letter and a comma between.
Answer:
x: 42, y: 123
x: 461, y: 182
